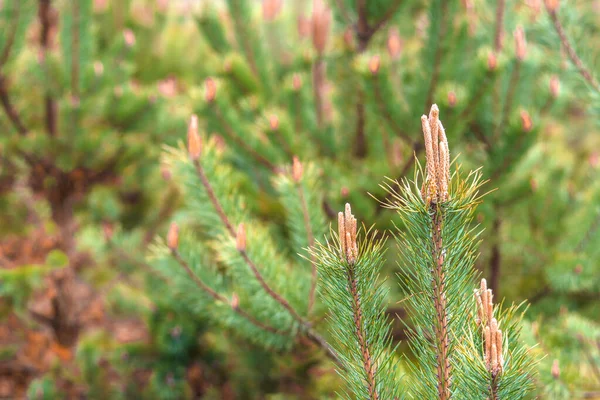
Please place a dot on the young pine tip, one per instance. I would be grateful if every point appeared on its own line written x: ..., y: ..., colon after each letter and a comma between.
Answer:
x: 437, y: 153
x: 492, y: 335
x: 193, y: 139
x: 240, y: 238
x: 173, y: 236
x: 347, y: 235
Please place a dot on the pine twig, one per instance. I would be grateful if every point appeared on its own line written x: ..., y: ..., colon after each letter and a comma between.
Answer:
x: 583, y: 71
x: 240, y: 142
x: 498, y: 37
x: 217, y: 296
x: 370, y: 368
x: 50, y: 104
x: 9, y: 109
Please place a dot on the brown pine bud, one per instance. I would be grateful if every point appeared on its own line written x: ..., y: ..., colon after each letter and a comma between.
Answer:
x: 270, y: 9
x: 492, y: 61
x: 520, y: 43
x: 193, y: 139
x: 129, y: 37
x: 526, y: 122
x: 165, y: 173
x: 321, y: 21
x: 274, y: 122
x: 349, y: 37
x: 108, y: 230
x: 210, y: 90
x: 394, y: 43
x: 297, y: 170
x: 240, y: 238
x: 235, y: 301
x: 304, y: 26
x: 98, y: 68
x: 344, y: 191
x: 173, y: 236
x: 554, y: 86
x: 296, y: 82
x: 374, y: 64
x: 552, y: 5
x: 347, y: 235
x: 555, y: 369
x: 452, y: 98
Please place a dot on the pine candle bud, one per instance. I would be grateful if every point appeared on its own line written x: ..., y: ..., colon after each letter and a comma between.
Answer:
x: 297, y: 170
x: 235, y: 301
x: 296, y: 82
x: 349, y: 37
x: 193, y: 138
x: 554, y: 86
x: 321, y: 21
x: 210, y: 90
x: 98, y: 68
x: 274, y: 122
x: 347, y: 235
x: 240, y: 238
x: 526, y: 122
x: 492, y: 61
x: 394, y: 43
x: 555, y: 369
x: 304, y: 27
x: 520, y: 43
x: 437, y: 153
x: 374, y: 64
x: 108, y: 230
x: 551, y: 5
x: 270, y: 9
x: 173, y: 236
x: 129, y: 37
x: 452, y: 98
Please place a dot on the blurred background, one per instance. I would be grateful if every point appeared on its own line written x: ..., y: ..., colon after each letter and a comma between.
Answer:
x: 93, y: 92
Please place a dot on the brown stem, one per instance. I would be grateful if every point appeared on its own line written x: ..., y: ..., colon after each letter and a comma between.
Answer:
x: 386, y: 17
x: 75, y: 51
x: 437, y: 59
x: 587, y: 75
x: 312, y: 335
x: 495, y: 258
x: 369, y: 366
x: 508, y: 100
x: 240, y: 142
x: 9, y: 109
x: 217, y: 296
x: 318, y: 74
x: 311, y: 242
x: 49, y: 103
x: 439, y: 300
x: 494, y: 388
x: 213, y: 198
x: 11, y: 35
x: 274, y: 295
x: 499, y: 25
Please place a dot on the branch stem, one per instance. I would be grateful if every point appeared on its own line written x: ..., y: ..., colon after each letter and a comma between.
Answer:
x: 369, y: 366
x: 585, y: 73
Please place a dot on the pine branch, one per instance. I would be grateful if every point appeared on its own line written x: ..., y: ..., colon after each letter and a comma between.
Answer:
x: 45, y: 10
x: 551, y: 8
x: 218, y: 297
x: 498, y: 37
x: 391, y: 11
x: 9, y: 109
x: 362, y: 342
